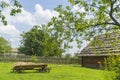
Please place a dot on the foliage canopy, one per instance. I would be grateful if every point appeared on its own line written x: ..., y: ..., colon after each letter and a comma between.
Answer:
x: 86, y: 19
x: 39, y: 42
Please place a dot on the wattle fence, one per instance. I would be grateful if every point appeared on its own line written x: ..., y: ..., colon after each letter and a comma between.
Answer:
x: 56, y: 60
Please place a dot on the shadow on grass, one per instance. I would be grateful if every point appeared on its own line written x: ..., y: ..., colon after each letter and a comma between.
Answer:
x: 27, y: 72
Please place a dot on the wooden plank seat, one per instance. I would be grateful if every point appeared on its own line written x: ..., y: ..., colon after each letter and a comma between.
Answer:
x: 21, y: 66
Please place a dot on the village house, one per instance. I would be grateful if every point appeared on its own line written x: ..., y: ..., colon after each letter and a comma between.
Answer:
x: 100, y: 48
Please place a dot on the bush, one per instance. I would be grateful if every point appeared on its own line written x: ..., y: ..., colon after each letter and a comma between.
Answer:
x: 34, y: 59
x: 112, y: 64
x: 116, y: 68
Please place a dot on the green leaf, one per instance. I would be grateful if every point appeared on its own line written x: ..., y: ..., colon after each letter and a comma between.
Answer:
x: 71, y: 1
x: 4, y: 4
x: 18, y: 10
x: 68, y: 7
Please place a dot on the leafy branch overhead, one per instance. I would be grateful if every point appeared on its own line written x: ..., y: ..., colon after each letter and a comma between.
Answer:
x: 90, y: 17
x: 104, y: 11
x: 14, y: 6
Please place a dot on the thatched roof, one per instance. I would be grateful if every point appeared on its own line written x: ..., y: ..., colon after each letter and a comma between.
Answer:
x: 102, y: 45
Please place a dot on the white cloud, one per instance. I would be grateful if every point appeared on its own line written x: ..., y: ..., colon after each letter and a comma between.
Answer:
x: 10, y: 33
x: 38, y: 17
x: 9, y: 30
x: 23, y: 22
x: 24, y: 17
x: 43, y: 16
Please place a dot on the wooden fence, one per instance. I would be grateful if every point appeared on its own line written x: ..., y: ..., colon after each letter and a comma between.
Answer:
x: 57, y: 60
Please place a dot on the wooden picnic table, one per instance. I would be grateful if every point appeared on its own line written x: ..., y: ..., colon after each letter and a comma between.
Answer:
x: 21, y: 66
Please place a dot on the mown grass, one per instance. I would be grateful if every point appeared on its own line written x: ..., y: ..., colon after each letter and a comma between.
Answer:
x: 58, y: 72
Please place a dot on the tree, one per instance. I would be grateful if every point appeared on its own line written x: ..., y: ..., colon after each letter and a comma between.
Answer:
x: 14, y: 6
x: 5, y: 46
x: 91, y: 18
x: 52, y: 44
x: 52, y: 47
x: 31, y: 43
x: 67, y: 56
x: 39, y: 42
x: 76, y: 55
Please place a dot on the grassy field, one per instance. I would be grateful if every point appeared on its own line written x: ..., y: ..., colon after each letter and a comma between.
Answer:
x: 58, y: 72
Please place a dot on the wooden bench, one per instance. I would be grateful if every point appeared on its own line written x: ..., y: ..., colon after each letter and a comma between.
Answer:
x: 21, y: 66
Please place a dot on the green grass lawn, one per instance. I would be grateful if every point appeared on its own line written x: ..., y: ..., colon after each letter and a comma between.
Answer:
x: 58, y: 72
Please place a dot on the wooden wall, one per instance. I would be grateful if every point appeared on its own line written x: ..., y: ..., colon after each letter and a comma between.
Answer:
x: 92, y: 61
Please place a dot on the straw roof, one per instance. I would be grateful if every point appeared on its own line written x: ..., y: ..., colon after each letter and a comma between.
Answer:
x: 103, y: 45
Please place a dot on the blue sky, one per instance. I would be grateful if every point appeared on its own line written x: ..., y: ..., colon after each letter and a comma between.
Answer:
x: 34, y: 12
x: 46, y: 4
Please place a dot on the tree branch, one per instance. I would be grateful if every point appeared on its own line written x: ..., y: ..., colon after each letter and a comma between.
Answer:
x: 98, y: 24
x: 104, y: 23
x: 111, y: 13
x: 117, y: 6
x: 99, y: 8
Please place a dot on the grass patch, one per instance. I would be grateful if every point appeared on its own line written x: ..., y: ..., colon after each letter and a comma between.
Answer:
x: 58, y: 72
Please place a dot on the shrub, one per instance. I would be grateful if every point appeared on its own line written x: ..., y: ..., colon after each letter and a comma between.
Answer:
x: 112, y: 64
x: 34, y: 58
